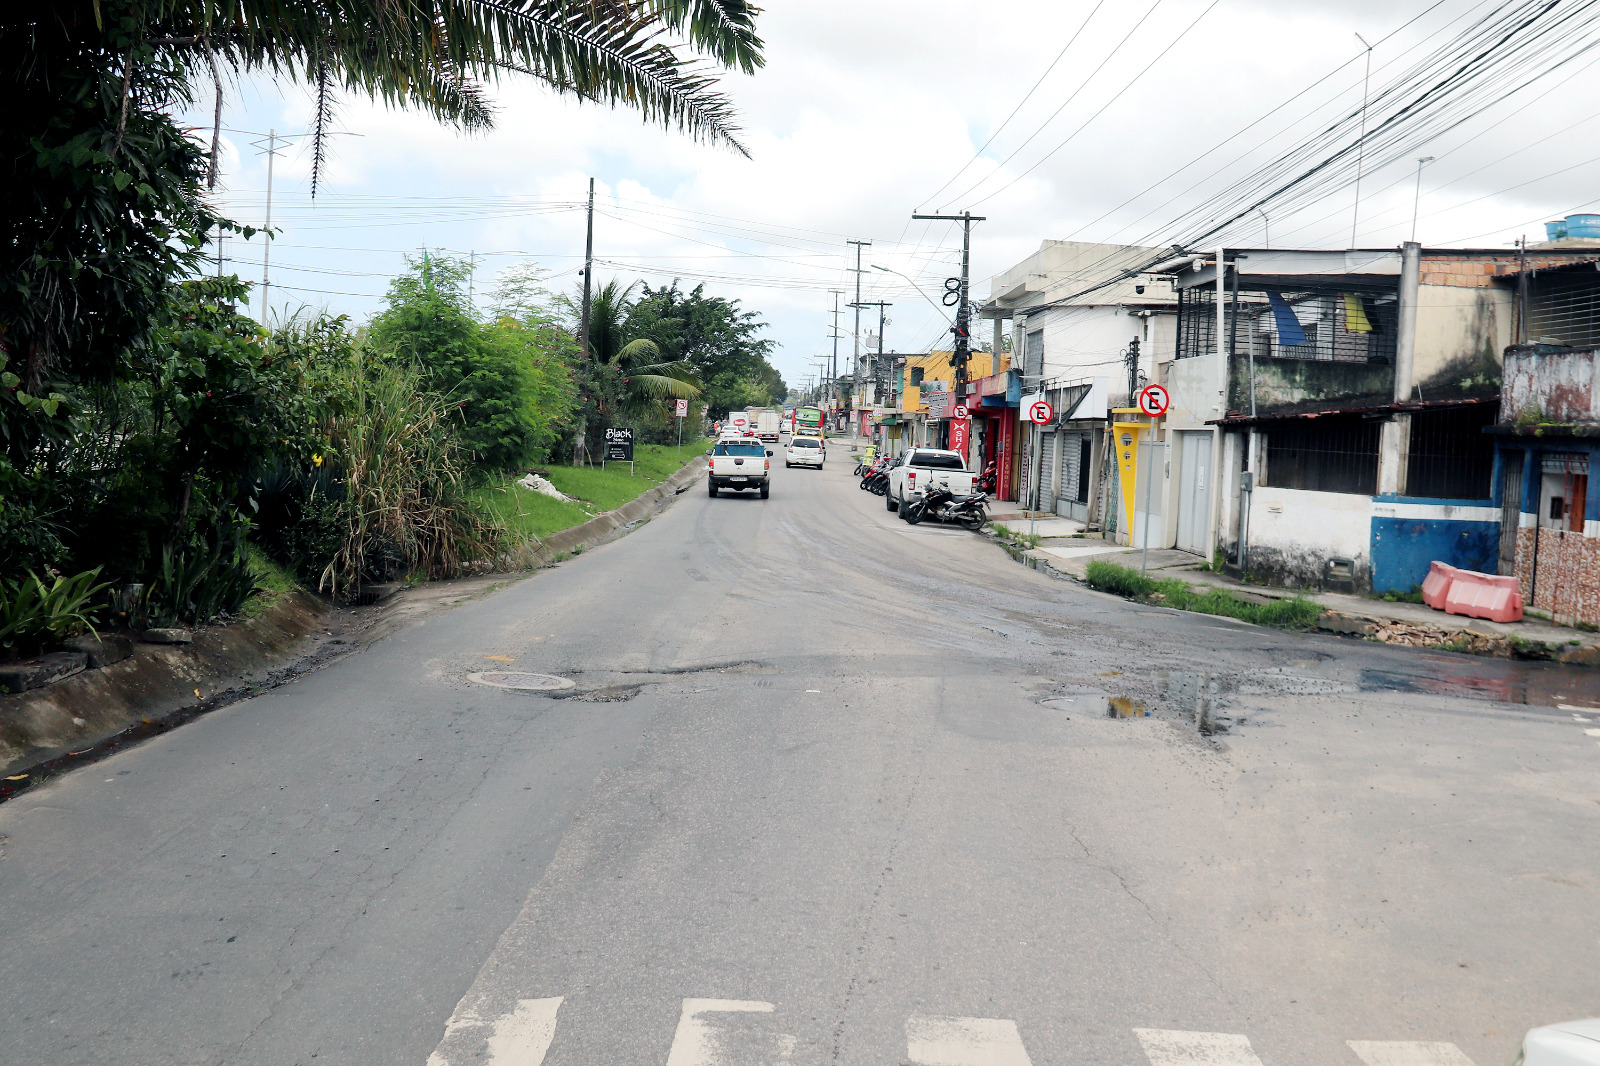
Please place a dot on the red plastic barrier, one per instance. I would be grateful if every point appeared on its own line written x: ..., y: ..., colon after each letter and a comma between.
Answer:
x: 1436, y: 586
x: 1498, y: 599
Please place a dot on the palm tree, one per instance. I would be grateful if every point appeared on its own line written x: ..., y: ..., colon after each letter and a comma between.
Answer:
x: 439, y: 55
x: 650, y: 379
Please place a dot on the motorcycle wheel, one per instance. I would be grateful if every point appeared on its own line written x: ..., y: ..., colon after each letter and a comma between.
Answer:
x: 974, y: 522
x: 913, y: 512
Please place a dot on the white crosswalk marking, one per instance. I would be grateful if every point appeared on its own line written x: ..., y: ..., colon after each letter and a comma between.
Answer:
x: 519, y: 1038
x: 933, y: 1041
x: 1408, y: 1053
x: 698, y: 1039
x: 1174, y: 1047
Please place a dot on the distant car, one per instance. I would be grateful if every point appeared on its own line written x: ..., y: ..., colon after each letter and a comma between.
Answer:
x: 1564, y: 1044
x: 804, y: 451
x: 822, y: 442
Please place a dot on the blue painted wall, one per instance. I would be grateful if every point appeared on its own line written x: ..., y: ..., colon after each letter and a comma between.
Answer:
x: 1404, y: 546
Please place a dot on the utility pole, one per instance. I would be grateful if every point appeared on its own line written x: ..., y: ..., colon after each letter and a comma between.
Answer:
x: 857, y: 272
x: 588, y: 270
x: 962, y: 328
x: 1416, y: 201
x: 1361, y: 145
x: 877, y: 364
x: 1133, y: 370
x: 472, y: 271
x: 271, y: 152
x: 836, y: 294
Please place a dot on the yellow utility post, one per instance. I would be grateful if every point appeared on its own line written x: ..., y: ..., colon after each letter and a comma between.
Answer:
x: 1127, y: 436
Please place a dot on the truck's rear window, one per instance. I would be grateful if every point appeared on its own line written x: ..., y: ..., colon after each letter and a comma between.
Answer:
x: 741, y: 449
x: 936, y: 461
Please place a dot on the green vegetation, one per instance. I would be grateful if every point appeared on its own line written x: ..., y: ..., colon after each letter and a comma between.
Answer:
x: 1413, y: 595
x: 1294, y: 613
x: 1016, y: 538
x: 526, y: 513
x: 34, y: 615
x: 153, y: 436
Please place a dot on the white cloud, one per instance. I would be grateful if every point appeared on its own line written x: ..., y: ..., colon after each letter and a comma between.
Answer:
x: 860, y: 114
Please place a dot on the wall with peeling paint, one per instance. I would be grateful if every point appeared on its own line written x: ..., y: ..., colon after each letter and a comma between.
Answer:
x: 1294, y: 532
x: 1298, y: 386
x: 1549, y: 384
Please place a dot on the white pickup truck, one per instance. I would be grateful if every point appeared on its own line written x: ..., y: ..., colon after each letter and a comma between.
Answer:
x: 914, y: 471
x: 740, y: 464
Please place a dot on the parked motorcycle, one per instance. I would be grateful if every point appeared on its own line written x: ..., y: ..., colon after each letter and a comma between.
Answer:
x: 942, y: 505
x: 876, y: 479
x: 986, y: 480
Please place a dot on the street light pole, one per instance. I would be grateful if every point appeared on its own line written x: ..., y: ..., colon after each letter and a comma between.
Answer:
x: 1416, y: 201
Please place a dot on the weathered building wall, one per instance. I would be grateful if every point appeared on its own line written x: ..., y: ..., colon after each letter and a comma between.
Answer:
x: 1294, y: 386
x: 1544, y: 384
x: 1462, y: 331
x: 1567, y: 584
x: 1294, y: 533
x: 1409, y: 533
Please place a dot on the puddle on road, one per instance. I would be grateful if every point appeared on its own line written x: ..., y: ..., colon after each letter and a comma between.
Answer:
x: 1092, y: 703
x: 1549, y: 686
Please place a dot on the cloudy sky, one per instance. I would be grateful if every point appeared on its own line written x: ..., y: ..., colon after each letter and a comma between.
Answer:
x: 1107, y: 121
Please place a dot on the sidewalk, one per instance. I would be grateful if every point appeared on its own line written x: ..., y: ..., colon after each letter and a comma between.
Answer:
x: 1412, y: 624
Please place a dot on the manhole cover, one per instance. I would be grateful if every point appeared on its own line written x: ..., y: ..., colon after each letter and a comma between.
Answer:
x: 524, y: 682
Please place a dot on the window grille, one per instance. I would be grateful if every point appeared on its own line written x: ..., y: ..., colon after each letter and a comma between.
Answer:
x: 1324, y: 455
x: 1564, y: 308
x: 1451, y: 458
x: 1349, y: 322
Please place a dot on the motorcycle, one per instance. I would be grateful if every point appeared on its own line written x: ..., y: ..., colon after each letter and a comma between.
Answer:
x: 876, y: 479
x: 943, y: 505
x: 986, y: 480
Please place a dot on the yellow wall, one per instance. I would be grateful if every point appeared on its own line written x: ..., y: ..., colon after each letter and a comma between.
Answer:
x: 935, y: 367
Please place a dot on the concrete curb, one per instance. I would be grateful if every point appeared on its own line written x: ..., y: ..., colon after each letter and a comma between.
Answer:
x: 155, y: 683
x: 82, y: 716
x: 611, y: 524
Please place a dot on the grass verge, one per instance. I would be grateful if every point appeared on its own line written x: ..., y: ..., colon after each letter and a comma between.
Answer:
x: 1295, y: 613
x: 526, y: 513
x: 272, y: 582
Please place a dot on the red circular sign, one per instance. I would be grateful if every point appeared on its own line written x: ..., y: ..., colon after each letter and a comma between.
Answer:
x: 961, y: 410
x: 1154, y: 400
x: 1040, y: 412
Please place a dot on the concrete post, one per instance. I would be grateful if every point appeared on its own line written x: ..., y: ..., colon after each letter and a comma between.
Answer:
x: 1394, y: 441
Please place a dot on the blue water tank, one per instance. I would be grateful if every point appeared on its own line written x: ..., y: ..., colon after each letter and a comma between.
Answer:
x: 1584, y: 226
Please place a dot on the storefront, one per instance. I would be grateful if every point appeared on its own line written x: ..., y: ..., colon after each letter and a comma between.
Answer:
x: 993, y: 404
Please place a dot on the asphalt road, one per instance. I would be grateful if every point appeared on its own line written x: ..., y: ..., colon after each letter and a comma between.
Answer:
x: 829, y: 789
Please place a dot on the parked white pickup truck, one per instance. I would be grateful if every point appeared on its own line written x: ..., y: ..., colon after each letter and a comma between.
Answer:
x: 740, y: 464
x: 921, y: 467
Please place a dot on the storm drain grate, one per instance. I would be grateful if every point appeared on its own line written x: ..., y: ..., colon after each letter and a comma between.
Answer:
x: 521, y: 681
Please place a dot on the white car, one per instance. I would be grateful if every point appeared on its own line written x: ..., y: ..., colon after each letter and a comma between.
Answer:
x: 804, y: 451
x: 1563, y: 1044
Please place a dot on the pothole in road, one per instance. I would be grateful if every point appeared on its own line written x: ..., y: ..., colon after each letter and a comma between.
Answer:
x: 1092, y: 703
x: 522, y: 682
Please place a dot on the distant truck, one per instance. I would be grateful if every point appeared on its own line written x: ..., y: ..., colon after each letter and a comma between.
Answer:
x: 738, y: 422
x: 767, y: 423
x: 919, y: 468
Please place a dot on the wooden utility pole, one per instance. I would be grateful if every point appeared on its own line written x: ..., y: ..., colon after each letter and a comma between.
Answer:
x: 963, y: 326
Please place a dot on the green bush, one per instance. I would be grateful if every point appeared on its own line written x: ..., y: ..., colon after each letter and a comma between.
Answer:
x: 202, y: 583
x: 34, y: 615
x: 1294, y: 613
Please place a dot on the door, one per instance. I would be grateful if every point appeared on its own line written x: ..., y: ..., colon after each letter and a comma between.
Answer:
x: 1510, y: 510
x: 1194, y: 491
x: 1047, y: 469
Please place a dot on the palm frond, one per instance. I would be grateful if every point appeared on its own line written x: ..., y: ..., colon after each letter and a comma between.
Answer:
x: 723, y: 29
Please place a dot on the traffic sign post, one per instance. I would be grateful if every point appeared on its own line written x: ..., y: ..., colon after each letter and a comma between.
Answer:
x: 683, y: 409
x: 1154, y: 400
x: 1041, y: 413
x: 960, y: 411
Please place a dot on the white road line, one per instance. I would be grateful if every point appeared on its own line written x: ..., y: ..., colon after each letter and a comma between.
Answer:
x: 697, y: 1043
x: 1408, y: 1053
x: 1174, y: 1047
x: 1591, y: 732
x: 934, y: 1041
x: 520, y: 1038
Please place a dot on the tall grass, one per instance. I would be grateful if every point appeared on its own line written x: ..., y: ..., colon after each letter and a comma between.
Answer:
x: 407, y: 500
x: 1296, y: 612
